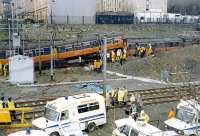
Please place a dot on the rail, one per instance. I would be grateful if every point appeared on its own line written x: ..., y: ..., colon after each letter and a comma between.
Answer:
x: 149, y: 96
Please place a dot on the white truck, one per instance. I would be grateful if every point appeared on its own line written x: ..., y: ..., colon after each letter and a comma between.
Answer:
x: 88, y: 109
x: 130, y: 127
x: 187, y: 120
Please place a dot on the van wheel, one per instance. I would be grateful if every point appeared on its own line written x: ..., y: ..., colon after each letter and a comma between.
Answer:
x: 91, y: 127
x: 54, y: 134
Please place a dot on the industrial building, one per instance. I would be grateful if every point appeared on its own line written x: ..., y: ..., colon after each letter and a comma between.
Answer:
x: 132, y: 6
x: 112, y: 5
x: 59, y: 12
x: 72, y: 12
x: 31, y: 9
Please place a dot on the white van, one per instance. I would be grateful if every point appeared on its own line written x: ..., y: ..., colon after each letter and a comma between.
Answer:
x: 187, y: 121
x: 130, y: 127
x: 31, y: 133
x: 89, y: 109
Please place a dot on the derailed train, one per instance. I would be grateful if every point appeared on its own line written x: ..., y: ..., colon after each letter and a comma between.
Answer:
x: 91, y: 48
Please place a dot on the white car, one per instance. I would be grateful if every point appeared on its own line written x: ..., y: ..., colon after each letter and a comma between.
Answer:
x: 128, y: 127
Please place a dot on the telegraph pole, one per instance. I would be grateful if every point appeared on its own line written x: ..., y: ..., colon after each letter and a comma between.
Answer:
x: 39, y: 46
x: 104, y: 63
x: 12, y: 11
x: 52, y: 56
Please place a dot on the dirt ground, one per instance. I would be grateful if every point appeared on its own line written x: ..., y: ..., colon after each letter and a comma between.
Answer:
x: 183, y: 60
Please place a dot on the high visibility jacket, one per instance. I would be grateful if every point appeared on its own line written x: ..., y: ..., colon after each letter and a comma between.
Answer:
x: 1, y: 68
x: 146, y: 118
x: 108, y: 55
x: 95, y: 64
x: 171, y: 114
x: 118, y: 53
x: 113, y: 93
x: 98, y: 64
x: 1, y: 104
x: 113, y: 54
x: 121, y: 95
x: 149, y: 51
x: 11, y: 105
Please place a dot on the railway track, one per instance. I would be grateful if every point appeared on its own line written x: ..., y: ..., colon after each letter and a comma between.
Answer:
x: 149, y: 96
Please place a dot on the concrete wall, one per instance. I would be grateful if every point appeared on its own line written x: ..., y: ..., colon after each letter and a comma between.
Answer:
x: 72, y: 11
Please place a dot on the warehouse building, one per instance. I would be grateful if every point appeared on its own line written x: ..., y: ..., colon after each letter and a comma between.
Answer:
x: 132, y: 6
x: 72, y: 11
x: 57, y: 11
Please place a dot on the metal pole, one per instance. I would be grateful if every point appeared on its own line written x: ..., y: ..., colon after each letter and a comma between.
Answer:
x: 10, y: 51
x: 39, y: 46
x: 52, y: 73
x: 105, y: 63
x: 12, y: 8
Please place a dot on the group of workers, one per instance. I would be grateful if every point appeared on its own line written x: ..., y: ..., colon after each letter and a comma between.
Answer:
x: 119, y: 95
x: 136, y: 108
x: 8, y: 104
x: 142, y: 51
x: 4, y: 69
x: 119, y: 56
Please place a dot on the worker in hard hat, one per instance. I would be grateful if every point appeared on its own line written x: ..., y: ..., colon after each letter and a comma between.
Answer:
x: 142, y: 52
x: 95, y: 65
x: 134, y: 112
x: 124, y: 54
x: 144, y: 116
x: 137, y: 52
x: 149, y: 50
x: 11, y: 105
x: 114, y: 95
x: 108, y: 57
x: 113, y: 56
x: 98, y: 65
x: 119, y: 54
x: 2, y: 102
x: 5, y: 69
x: 172, y: 113
x: 132, y: 99
x: 139, y: 102
x: 1, y: 69
x: 121, y: 94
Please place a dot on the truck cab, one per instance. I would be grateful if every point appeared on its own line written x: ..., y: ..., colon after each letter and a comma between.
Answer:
x: 187, y: 120
x: 130, y: 127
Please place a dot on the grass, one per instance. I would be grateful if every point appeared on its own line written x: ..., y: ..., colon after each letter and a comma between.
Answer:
x: 66, y: 32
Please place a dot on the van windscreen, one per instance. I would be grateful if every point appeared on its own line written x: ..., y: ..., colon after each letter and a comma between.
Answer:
x: 51, y: 114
